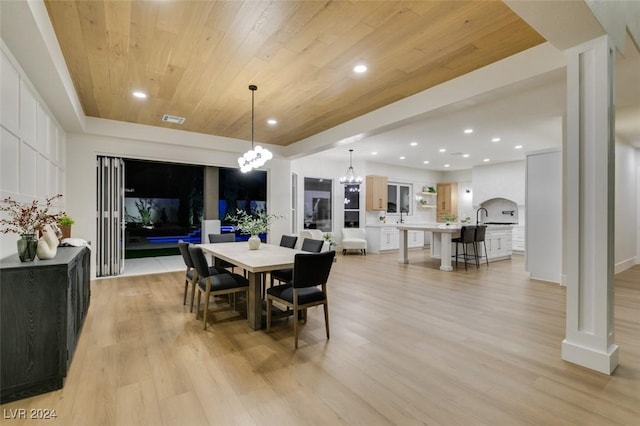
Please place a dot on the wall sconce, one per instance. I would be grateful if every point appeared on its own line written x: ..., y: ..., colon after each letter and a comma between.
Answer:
x: 468, y: 191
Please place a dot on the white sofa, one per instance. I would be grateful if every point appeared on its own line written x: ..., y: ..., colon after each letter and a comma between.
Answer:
x: 354, y: 239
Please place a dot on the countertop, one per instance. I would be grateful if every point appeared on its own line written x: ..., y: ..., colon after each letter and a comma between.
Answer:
x: 432, y: 225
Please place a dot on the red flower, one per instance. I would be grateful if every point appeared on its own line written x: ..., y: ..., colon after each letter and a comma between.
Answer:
x: 24, y: 218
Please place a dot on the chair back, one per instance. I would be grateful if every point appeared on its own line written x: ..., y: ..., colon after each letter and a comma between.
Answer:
x: 288, y: 241
x: 468, y: 234
x: 312, y: 246
x: 184, y: 251
x: 480, y: 233
x: 358, y: 233
x: 310, y: 270
x: 222, y: 238
x: 199, y: 261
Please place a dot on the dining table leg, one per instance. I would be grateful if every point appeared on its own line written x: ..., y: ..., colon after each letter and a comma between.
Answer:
x: 254, y: 304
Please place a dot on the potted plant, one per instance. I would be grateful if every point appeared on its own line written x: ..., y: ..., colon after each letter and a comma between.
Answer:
x: 27, y: 219
x: 252, y: 224
x: 65, y: 223
x: 449, y: 218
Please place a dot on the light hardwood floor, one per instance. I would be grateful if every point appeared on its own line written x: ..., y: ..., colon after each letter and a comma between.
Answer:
x: 409, y: 345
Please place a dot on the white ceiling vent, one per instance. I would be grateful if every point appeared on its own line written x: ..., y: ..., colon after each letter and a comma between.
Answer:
x: 173, y: 119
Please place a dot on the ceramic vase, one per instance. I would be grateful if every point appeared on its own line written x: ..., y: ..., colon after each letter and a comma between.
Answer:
x: 47, y: 244
x: 27, y: 247
x: 254, y: 242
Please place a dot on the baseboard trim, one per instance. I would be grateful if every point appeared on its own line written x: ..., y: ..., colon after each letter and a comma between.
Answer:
x: 624, y: 265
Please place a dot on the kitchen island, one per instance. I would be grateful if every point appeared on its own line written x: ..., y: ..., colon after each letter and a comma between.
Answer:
x: 498, y: 242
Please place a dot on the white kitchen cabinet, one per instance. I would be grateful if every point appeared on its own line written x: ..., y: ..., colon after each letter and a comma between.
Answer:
x: 517, y: 243
x: 389, y: 239
x: 385, y: 238
x: 498, y: 243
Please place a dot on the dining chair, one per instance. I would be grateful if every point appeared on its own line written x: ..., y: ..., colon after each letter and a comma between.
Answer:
x: 307, y: 288
x: 288, y: 241
x: 191, y: 275
x: 214, y: 284
x: 222, y: 238
x: 467, y: 237
x: 285, y: 275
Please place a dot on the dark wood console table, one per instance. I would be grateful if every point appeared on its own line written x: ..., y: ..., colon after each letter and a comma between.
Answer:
x: 43, y: 306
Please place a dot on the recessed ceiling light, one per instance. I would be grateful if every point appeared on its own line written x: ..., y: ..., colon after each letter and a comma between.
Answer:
x: 272, y: 122
x: 426, y: 161
x: 518, y: 147
x: 447, y: 165
x: 414, y: 144
x: 465, y: 155
x: 403, y: 157
x: 467, y: 131
x: 495, y: 140
x: 360, y: 68
x: 486, y: 159
x: 138, y: 94
x: 443, y: 150
x: 374, y: 153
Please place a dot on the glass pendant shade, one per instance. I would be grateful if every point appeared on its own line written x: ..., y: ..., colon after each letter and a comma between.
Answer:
x: 256, y: 156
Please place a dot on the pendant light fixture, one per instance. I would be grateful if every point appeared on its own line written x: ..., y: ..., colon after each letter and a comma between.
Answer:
x: 350, y: 177
x: 255, y: 157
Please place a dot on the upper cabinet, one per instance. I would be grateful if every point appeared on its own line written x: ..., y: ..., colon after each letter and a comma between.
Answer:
x: 376, y: 193
x: 447, y: 199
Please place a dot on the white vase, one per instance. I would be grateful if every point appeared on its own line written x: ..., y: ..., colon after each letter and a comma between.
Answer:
x: 254, y: 242
x: 47, y: 244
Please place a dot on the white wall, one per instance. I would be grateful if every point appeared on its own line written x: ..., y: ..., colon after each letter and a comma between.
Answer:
x: 82, y: 151
x: 32, y: 144
x: 418, y: 178
x: 626, y: 205
x: 503, y: 180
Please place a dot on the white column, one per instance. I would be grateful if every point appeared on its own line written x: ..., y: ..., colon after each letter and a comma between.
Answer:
x: 589, y: 207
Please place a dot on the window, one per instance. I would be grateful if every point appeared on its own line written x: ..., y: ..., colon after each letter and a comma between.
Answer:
x: 317, y: 204
x: 399, y: 197
x: 352, y: 206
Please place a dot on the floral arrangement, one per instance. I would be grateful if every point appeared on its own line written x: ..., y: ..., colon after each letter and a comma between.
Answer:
x: 25, y: 218
x: 449, y: 218
x: 253, y: 224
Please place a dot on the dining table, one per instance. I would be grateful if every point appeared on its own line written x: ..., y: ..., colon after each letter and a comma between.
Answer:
x: 257, y: 263
x: 441, y: 236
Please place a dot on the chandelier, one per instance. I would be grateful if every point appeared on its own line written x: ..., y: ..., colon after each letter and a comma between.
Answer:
x: 350, y: 177
x: 255, y: 157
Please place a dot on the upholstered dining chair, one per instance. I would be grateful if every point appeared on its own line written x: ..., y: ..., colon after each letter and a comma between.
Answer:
x: 467, y: 237
x: 307, y: 288
x: 288, y: 241
x: 222, y: 238
x: 191, y: 275
x: 285, y: 275
x: 214, y: 284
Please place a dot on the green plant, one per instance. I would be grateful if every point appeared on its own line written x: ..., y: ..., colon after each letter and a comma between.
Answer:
x: 431, y: 190
x: 449, y: 217
x: 65, y: 221
x: 253, y: 224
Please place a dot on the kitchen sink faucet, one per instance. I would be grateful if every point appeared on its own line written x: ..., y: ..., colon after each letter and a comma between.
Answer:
x: 402, y: 210
x: 486, y: 213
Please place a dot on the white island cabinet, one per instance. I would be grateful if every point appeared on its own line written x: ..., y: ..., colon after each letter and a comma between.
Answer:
x: 499, y: 242
x: 385, y: 237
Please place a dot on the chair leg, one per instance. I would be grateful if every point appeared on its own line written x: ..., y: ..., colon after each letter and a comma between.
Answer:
x: 193, y: 293
x: 486, y: 256
x: 326, y: 318
x: 206, y: 310
x: 344, y: 252
x: 269, y: 302
x: 464, y: 255
x: 198, y: 305
x: 456, y: 255
x: 186, y: 287
x: 295, y: 326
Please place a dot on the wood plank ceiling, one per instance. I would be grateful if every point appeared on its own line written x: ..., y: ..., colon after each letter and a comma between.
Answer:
x: 195, y: 59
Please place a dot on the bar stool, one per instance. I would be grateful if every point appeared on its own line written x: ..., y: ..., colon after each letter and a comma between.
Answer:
x: 467, y: 236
